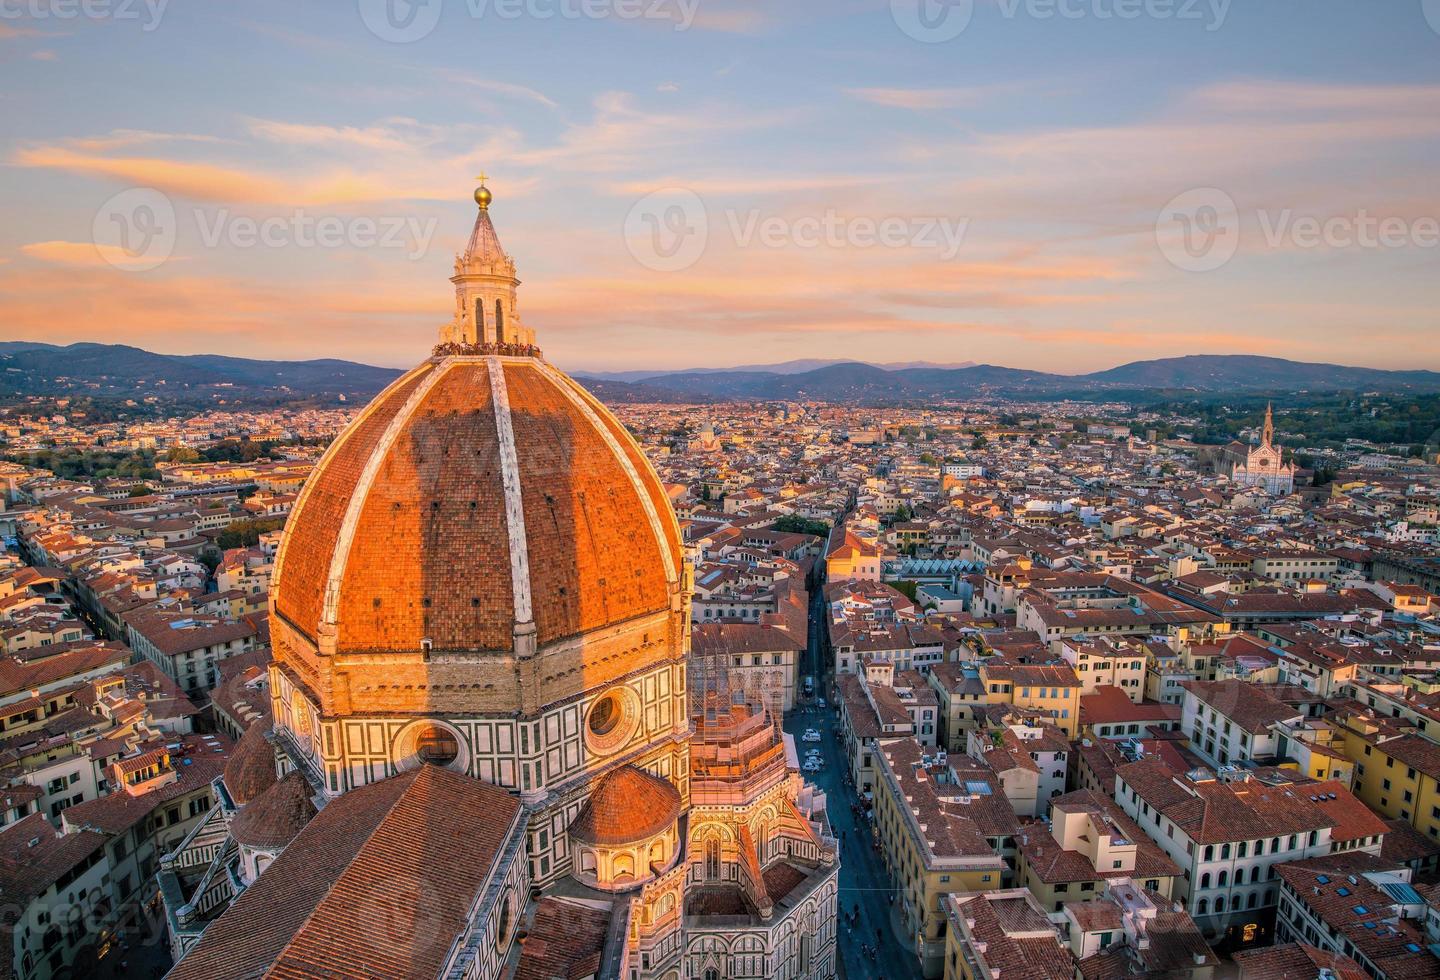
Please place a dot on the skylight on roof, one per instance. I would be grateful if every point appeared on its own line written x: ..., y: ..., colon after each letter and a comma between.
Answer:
x: 1360, y: 910
x: 1343, y: 890
x: 1322, y: 879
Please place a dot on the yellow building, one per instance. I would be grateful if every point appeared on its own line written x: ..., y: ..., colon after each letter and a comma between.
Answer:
x: 1048, y: 688
x: 943, y: 829
x: 1319, y: 750
x: 1107, y: 663
x: 1397, y: 771
x: 992, y: 933
x: 1089, y: 842
x: 958, y: 689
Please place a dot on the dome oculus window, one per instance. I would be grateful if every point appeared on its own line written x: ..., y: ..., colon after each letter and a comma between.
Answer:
x: 605, y: 716
x: 612, y: 720
x: 430, y: 742
x: 436, y: 746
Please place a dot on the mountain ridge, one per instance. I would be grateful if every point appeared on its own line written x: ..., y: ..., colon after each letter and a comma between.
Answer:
x: 117, y: 370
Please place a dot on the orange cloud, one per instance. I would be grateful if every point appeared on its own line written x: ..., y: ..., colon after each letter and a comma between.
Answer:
x: 84, y: 254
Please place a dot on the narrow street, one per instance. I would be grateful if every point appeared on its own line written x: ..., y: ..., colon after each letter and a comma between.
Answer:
x: 863, y: 879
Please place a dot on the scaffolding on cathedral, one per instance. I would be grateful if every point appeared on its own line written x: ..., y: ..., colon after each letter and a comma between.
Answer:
x: 710, y: 678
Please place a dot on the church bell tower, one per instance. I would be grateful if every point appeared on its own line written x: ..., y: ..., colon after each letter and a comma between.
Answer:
x: 485, y: 287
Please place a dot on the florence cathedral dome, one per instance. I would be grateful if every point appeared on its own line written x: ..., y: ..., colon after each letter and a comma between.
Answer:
x: 483, y: 505
x: 478, y: 760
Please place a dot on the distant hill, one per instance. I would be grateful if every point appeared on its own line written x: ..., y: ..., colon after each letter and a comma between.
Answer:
x: 117, y: 371
x: 1176, y: 376
x: 114, y: 371
x: 1218, y: 372
x: 111, y: 370
x: 785, y: 367
x: 621, y: 393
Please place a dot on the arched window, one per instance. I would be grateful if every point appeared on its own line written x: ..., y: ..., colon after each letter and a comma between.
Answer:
x: 1259, y: 848
x: 1220, y: 903
x: 1251, y: 903
x: 1202, y: 906
x: 712, y: 859
x: 1240, y: 851
x: 1224, y: 852
x: 623, y: 867
x: 499, y: 323
x: 1224, y: 877
x: 479, y: 321
x: 1255, y: 874
x: 1209, y: 852
x: 1205, y: 880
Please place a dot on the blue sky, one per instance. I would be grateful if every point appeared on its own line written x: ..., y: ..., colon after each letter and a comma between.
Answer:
x: 1063, y: 185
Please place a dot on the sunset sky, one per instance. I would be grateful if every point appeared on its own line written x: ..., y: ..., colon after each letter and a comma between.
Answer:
x: 1054, y: 144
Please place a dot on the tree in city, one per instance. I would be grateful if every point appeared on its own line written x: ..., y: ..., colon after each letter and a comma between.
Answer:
x: 246, y: 533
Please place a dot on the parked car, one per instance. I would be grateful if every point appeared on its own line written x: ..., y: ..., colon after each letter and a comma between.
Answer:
x: 811, y: 735
x: 811, y: 765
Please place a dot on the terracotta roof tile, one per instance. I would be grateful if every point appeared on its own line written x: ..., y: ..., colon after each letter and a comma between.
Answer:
x: 377, y: 885
x: 627, y: 805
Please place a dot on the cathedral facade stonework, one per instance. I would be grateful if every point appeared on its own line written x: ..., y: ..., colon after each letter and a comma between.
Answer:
x: 480, y: 622
x: 1260, y: 466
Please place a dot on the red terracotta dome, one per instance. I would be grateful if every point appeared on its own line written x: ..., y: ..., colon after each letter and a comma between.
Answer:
x: 250, y: 770
x: 476, y: 493
x: 272, y: 819
x: 628, y: 805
